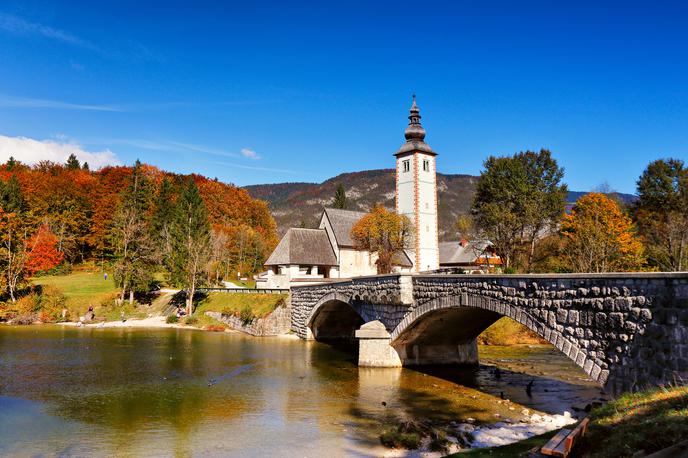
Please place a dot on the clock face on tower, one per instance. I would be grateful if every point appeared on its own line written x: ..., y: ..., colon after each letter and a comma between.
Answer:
x: 416, y: 193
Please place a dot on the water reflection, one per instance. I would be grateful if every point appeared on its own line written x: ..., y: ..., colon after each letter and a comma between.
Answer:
x: 66, y: 391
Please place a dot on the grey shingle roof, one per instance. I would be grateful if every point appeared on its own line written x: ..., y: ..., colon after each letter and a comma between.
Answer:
x: 342, y: 221
x: 309, y: 247
x: 454, y: 253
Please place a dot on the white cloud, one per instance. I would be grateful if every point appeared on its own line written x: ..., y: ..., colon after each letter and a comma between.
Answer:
x: 24, y: 102
x: 17, y: 25
x: 249, y: 153
x: 30, y: 151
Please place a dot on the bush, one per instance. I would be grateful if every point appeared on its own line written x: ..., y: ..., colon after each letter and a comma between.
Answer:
x: 191, y: 320
x: 246, y: 314
x: 396, y: 439
x: 172, y: 319
x: 216, y: 327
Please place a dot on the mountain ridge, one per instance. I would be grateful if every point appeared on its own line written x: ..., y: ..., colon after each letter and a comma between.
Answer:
x: 299, y: 204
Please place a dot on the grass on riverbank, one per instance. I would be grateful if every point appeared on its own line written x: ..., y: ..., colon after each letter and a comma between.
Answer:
x: 649, y: 421
x: 81, y: 288
x: 245, y: 306
x: 506, y: 331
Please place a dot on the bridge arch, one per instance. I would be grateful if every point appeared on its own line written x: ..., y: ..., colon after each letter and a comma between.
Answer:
x: 334, y: 318
x: 444, y: 330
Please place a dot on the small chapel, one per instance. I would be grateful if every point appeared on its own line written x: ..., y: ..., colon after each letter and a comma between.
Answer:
x: 308, y: 256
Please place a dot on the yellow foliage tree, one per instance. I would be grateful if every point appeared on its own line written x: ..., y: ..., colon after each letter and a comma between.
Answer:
x: 600, y: 237
x: 382, y: 232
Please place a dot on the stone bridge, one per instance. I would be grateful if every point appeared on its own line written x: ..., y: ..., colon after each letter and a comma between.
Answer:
x: 626, y: 331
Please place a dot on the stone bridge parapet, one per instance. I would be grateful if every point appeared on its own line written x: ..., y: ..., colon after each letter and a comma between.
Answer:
x: 625, y: 330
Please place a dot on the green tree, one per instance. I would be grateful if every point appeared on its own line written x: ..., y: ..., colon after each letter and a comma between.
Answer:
x: 73, y: 163
x: 518, y: 200
x: 662, y: 213
x: 191, y: 243
x: 133, y: 247
x: 85, y: 166
x: 340, y: 200
x: 163, y: 215
x: 11, y: 163
x: 11, y: 199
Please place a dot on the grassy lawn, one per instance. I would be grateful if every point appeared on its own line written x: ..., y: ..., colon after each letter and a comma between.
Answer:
x: 250, y: 283
x: 234, y: 303
x: 649, y: 421
x: 81, y: 288
x: 241, y: 305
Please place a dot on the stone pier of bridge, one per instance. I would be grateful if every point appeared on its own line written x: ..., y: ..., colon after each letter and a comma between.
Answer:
x: 626, y: 331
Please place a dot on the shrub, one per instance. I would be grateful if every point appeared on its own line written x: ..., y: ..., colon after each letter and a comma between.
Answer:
x: 216, y: 327
x: 246, y: 314
x: 393, y: 438
x: 172, y: 319
x: 191, y: 320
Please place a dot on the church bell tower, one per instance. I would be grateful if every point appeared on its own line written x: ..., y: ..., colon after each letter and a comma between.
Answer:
x: 416, y: 193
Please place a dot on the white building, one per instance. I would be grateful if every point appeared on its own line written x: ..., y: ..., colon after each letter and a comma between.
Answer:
x: 306, y: 256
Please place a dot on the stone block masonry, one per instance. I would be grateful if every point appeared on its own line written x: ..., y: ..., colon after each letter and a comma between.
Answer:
x: 626, y: 331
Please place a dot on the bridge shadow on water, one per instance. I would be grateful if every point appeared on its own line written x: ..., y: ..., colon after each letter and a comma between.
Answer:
x: 536, y: 391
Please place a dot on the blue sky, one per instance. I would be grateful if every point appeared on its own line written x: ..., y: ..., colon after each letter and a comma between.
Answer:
x: 258, y: 92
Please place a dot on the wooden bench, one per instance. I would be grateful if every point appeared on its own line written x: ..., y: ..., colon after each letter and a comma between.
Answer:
x: 562, y: 442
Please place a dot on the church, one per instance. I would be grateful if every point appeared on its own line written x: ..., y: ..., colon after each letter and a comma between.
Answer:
x: 307, y: 256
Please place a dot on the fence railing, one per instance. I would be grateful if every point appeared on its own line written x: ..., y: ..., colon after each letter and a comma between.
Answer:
x: 244, y: 290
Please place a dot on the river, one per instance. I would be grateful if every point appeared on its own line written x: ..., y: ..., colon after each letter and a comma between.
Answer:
x: 175, y: 392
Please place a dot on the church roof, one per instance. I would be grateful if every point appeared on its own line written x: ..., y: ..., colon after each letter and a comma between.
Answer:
x: 456, y: 253
x: 342, y: 221
x: 309, y: 247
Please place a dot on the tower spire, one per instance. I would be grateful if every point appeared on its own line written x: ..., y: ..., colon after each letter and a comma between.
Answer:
x: 415, y: 134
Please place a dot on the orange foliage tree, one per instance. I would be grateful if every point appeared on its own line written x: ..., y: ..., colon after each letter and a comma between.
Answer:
x: 42, y: 251
x: 599, y: 237
x: 78, y: 206
x: 384, y: 233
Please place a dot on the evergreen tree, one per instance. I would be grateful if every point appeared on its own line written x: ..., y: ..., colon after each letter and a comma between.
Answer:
x: 73, y: 162
x: 163, y: 216
x: 11, y: 199
x: 134, y: 250
x: 191, y: 243
x: 11, y: 163
x: 340, y: 200
x: 85, y: 166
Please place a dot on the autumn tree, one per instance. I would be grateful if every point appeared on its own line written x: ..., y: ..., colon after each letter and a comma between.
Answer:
x: 340, y: 200
x: 42, y: 251
x: 191, y: 244
x: 383, y: 233
x: 662, y: 213
x: 518, y: 200
x: 134, y: 252
x: 599, y: 237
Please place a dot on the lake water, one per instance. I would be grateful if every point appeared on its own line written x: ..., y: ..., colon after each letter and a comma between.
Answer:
x: 172, y: 392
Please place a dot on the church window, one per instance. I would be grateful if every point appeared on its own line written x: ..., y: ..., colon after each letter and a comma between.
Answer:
x: 406, y: 166
x: 426, y: 165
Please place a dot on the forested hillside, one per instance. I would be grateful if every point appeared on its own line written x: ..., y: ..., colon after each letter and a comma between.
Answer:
x: 139, y: 220
x: 296, y: 204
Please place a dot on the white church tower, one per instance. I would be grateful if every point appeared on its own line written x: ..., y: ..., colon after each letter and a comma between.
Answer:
x: 416, y: 193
